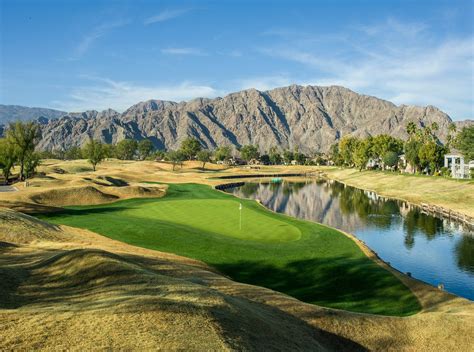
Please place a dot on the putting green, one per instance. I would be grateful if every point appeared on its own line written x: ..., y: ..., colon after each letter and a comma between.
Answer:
x: 222, y: 217
x: 311, y: 262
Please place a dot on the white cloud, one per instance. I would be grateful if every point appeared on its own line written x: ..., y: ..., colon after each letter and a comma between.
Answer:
x: 398, y: 62
x: 88, y: 40
x: 183, y: 51
x: 165, y: 16
x: 105, y: 93
x: 392, y: 25
x: 264, y: 83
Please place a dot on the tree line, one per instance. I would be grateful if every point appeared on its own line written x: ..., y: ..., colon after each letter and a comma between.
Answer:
x: 190, y: 149
x: 422, y: 150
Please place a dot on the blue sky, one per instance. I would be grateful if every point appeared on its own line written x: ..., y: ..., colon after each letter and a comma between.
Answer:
x: 78, y: 55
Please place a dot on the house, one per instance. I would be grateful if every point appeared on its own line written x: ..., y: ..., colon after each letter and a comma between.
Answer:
x: 254, y: 161
x: 234, y: 161
x: 459, y: 167
x: 373, y: 163
x: 404, y: 165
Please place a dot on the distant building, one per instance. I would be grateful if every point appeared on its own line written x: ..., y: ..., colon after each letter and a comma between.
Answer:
x: 459, y: 167
x: 373, y: 163
x: 235, y: 161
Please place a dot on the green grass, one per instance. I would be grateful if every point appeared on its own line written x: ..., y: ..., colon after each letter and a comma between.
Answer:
x: 311, y: 262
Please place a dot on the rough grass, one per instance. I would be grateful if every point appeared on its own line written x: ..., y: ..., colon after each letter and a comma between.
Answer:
x: 308, y: 261
x: 452, y: 194
x: 90, y: 299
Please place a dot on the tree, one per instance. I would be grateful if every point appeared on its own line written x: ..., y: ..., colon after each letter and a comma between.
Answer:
x: 431, y: 155
x: 274, y: 156
x: 32, y: 161
x: 411, y: 128
x: 451, y: 133
x: 287, y: 156
x: 110, y: 150
x: 126, y: 149
x: 362, y: 153
x: 384, y: 143
x: 249, y: 152
x: 145, y: 147
x: 334, y: 155
x: 8, y: 157
x: 411, y: 153
x: 223, y: 153
x: 190, y: 147
x: 159, y: 154
x: 347, y: 147
x: 264, y: 159
x: 204, y: 156
x: 465, y: 142
x: 73, y: 153
x: 390, y: 158
x: 94, y: 152
x: 176, y: 157
x: 300, y: 158
x: 24, y: 136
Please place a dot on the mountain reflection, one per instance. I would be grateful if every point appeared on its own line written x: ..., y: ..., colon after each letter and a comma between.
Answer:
x: 355, y: 210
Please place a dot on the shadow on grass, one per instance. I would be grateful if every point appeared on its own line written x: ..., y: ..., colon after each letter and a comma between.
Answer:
x: 102, y: 280
x: 352, y: 284
x: 85, y: 211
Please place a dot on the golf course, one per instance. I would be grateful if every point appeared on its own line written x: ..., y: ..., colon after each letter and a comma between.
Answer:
x: 252, y: 245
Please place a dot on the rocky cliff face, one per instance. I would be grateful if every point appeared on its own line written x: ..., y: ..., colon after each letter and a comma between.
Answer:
x: 308, y: 117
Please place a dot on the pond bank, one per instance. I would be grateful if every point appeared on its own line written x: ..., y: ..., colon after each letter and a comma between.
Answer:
x: 438, y: 196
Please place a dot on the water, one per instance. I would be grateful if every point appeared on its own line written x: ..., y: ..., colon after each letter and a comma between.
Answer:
x: 432, y: 249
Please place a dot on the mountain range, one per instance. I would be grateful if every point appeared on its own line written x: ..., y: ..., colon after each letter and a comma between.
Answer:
x: 310, y: 118
x: 9, y: 113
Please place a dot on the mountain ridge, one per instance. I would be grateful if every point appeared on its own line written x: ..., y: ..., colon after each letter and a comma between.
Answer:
x: 9, y: 113
x: 309, y: 118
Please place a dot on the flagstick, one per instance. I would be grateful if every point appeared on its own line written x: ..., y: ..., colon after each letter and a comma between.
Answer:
x: 240, y: 213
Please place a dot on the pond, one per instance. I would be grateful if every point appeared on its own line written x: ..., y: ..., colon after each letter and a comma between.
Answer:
x: 432, y: 249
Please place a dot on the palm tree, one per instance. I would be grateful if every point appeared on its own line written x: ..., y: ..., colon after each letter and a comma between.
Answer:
x: 451, y: 132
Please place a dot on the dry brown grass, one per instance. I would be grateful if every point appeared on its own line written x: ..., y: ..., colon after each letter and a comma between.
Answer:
x: 64, y: 288
x: 457, y: 195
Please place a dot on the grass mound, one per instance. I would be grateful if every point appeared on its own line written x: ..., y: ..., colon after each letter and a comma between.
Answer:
x: 18, y: 228
x: 128, y: 302
x: 73, y: 195
x: 308, y: 261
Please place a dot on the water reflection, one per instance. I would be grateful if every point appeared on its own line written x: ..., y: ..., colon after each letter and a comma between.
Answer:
x: 433, y: 249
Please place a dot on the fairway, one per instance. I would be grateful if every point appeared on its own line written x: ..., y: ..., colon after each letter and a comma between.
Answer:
x: 311, y: 262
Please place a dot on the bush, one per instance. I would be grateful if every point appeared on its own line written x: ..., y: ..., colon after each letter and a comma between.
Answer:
x: 390, y: 159
x: 446, y: 172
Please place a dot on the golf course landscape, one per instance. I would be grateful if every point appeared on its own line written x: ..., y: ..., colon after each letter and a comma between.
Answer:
x: 306, y: 260
x: 137, y: 255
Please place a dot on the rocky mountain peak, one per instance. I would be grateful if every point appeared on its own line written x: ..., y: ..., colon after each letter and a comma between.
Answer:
x: 310, y: 118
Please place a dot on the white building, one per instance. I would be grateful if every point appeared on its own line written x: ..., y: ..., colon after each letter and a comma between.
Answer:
x: 458, y: 166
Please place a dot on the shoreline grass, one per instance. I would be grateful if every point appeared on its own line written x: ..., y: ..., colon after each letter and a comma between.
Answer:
x: 456, y: 195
